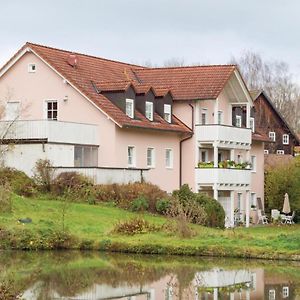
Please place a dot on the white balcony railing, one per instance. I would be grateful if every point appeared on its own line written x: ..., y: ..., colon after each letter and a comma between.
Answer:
x: 224, y: 177
x: 51, y: 131
x: 223, y: 133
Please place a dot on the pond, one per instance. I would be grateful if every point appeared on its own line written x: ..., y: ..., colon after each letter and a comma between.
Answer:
x: 95, y: 275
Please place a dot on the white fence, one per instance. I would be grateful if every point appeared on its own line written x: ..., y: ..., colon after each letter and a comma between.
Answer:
x: 109, y: 175
x: 52, y: 131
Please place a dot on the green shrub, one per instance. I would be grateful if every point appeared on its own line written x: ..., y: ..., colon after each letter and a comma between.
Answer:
x: 139, y: 204
x: 134, y: 226
x: 162, y: 206
x: 18, y: 182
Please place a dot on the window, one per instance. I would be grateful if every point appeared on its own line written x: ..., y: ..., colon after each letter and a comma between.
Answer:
x: 238, y: 121
x: 285, y: 292
x: 280, y: 152
x: 131, y: 156
x: 272, y: 295
x: 149, y: 111
x: 252, y: 124
x: 239, y: 201
x: 204, y: 116
x: 130, y: 108
x: 85, y: 156
x: 253, y: 163
x: 52, y: 109
x: 272, y: 136
x: 150, y: 158
x: 203, y: 155
x: 220, y: 117
x: 31, y: 68
x: 285, y: 139
x: 253, y: 200
x: 12, y: 110
x: 266, y: 151
x: 169, y: 158
x: 167, y: 113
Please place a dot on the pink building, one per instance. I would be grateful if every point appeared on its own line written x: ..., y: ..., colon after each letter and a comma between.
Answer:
x: 118, y: 122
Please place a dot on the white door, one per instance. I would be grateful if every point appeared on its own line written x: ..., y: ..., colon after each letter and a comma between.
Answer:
x: 12, y: 110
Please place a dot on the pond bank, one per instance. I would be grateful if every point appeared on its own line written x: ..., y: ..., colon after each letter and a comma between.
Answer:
x: 89, y: 227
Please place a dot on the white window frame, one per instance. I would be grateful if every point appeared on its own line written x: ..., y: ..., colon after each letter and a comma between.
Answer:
x: 272, y: 136
x: 238, y: 121
x: 266, y: 151
x: 280, y: 152
x: 152, y: 157
x: 149, y: 110
x: 46, y: 109
x: 168, y: 112
x: 30, y: 69
x: 285, y: 292
x: 272, y: 294
x: 253, y: 163
x: 130, y: 113
x: 252, y: 124
x: 169, y: 162
x: 285, y: 139
x: 220, y: 117
x: 203, y: 112
x: 133, y: 160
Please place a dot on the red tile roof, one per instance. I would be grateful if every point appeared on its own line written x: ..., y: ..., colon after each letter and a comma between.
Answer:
x: 188, y: 83
x: 92, y: 69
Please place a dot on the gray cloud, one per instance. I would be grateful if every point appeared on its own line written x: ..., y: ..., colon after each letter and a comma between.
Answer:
x: 136, y: 31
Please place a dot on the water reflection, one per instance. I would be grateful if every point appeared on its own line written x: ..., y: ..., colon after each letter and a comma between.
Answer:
x: 75, y: 275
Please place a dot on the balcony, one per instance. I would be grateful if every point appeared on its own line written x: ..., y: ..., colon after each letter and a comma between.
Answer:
x: 49, y: 131
x: 225, y: 136
x: 224, y: 179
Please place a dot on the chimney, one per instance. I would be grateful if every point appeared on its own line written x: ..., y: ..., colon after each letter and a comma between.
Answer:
x: 73, y: 60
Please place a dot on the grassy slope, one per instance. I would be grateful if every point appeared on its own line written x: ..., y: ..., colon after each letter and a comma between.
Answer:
x: 95, y: 223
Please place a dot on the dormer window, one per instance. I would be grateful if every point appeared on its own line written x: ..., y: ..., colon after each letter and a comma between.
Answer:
x: 130, y: 108
x: 167, y: 113
x: 149, y: 110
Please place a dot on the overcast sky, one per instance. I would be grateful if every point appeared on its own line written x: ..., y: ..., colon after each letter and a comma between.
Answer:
x: 202, y: 31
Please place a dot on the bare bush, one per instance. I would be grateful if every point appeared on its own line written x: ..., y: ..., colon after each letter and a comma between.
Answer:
x: 5, y: 198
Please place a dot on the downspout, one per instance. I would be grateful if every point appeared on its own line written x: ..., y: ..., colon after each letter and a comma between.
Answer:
x: 180, y: 146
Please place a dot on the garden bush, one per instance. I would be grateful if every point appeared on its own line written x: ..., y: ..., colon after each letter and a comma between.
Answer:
x: 124, y: 194
x: 18, y: 182
x: 196, y: 203
x: 74, y: 185
x: 139, y: 204
x: 44, y: 174
x: 163, y: 205
x: 134, y: 226
x: 5, y: 198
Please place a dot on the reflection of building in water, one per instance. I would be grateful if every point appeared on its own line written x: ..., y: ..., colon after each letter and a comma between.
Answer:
x: 217, y: 283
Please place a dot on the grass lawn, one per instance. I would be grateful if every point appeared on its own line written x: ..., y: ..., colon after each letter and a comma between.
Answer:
x: 95, y: 223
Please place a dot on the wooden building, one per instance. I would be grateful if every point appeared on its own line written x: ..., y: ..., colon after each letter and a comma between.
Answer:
x: 270, y: 121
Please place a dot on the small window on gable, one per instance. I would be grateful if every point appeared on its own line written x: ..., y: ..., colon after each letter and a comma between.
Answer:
x: 280, y: 152
x: 167, y: 113
x: 266, y: 151
x: 31, y: 68
x: 204, y: 116
x: 130, y: 108
x: 252, y: 124
x: 220, y: 117
x: 285, y: 139
x: 272, y: 136
x: 238, y: 121
x: 149, y: 110
x: 52, y: 110
x: 285, y: 292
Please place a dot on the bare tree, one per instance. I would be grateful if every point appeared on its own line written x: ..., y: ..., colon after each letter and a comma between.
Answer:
x: 174, y: 62
x: 275, y: 78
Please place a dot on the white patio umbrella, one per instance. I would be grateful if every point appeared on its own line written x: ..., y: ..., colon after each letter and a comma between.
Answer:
x: 286, y: 205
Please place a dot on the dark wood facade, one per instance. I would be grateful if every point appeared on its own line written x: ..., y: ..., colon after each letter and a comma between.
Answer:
x: 268, y: 119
